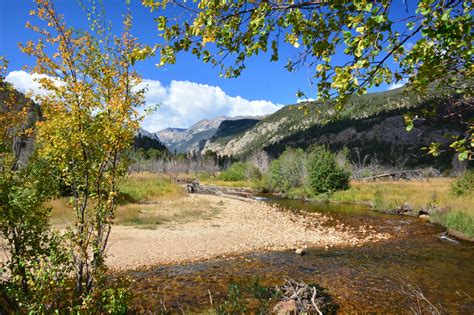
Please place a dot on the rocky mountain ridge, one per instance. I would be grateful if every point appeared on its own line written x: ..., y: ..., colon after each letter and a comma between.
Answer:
x: 187, y: 140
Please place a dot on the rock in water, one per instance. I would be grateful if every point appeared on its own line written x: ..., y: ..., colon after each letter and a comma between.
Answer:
x: 285, y: 308
x: 425, y: 217
x: 300, y: 251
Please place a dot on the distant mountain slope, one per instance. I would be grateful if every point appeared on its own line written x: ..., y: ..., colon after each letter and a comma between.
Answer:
x: 370, y: 124
x: 147, y: 140
x: 186, y: 140
x: 230, y: 128
x: 170, y: 135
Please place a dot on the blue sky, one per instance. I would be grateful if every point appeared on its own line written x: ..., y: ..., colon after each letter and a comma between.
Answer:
x: 188, y: 91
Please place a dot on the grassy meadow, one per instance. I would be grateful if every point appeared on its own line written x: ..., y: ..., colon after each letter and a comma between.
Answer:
x: 145, y: 201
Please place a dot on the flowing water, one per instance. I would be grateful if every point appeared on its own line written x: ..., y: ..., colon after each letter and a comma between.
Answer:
x: 363, y: 279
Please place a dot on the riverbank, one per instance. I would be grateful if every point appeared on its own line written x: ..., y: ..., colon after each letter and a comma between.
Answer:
x: 360, y: 279
x: 432, y: 198
x: 236, y: 226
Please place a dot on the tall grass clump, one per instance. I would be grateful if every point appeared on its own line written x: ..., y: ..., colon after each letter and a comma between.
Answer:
x: 464, y: 184
x: 459, y: 222
x: 139, y: 188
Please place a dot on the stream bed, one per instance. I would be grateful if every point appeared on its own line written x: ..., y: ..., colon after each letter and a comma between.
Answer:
x: 364, y: 279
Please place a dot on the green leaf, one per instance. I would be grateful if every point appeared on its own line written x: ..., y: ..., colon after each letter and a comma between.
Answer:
x: 379, y: 18
x: 463, y: 156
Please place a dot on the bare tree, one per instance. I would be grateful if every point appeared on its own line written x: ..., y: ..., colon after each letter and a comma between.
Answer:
x: 261, y: 160
x: 210, y: 166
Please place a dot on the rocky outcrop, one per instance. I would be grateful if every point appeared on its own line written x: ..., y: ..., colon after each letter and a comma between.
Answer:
x: 189, y: 140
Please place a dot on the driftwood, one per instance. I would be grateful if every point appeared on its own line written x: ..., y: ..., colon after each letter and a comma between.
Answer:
x: 306, y: 297
x: 406, y: 175
x: 236, y: 193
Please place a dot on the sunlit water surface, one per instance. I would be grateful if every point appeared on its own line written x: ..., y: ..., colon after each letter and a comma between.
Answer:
x: 363, y: 279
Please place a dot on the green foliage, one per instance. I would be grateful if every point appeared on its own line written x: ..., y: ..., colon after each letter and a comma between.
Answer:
x: 247, y: 296
x: 318, y: 31
x: 150, y: 154
x: 299, y: 174
x: 116, y: 298
x: 324, y: 173
x: 240, y: 171
x: 234, y: 302
x: 288, y: 171
x: 204, y: 175
x: 48, y: 280
x: 464, y: 184
x: 38, y: 264
x: 457, y: 221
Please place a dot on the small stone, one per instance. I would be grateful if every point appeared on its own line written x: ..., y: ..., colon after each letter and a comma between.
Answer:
x: 300, y: 251
x: 285, y: 307
x: 425, y: 217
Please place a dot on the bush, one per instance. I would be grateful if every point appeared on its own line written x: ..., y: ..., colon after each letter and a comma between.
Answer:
x: 464, y: 183
x: 288, y: 171
x: 325, y: 175
x: 240, y: 171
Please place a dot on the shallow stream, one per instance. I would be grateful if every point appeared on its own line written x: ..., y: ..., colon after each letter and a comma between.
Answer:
x: 363, y: 279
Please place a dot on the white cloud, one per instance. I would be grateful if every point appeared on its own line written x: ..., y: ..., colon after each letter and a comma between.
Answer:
x: 25, y: 82
x: 155, y: 91
x: 397, y: 85
x: 181, y: 104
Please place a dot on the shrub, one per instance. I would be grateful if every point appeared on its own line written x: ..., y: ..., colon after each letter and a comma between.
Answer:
x: 288, y: 171
x: 464, y: 183
x: 325, y: 175
x: 240, y: 171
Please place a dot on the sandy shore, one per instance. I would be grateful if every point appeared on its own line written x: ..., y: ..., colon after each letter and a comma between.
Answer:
x: 240, y: 226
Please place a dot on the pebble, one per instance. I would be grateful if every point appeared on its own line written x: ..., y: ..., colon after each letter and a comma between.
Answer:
x: 425, y: 217
x: 300, y: 251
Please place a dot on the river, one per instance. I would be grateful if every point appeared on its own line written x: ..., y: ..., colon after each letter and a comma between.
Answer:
x: 363, y: 279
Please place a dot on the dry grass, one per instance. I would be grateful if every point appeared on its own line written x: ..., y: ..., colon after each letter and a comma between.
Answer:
x: 171, y: 211
x: 61, y: 212
x: 418, y: 194
x: 145, y: 200
x: 456, y: 212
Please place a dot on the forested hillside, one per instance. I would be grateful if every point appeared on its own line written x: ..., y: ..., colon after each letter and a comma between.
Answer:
x: 371, y: 125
